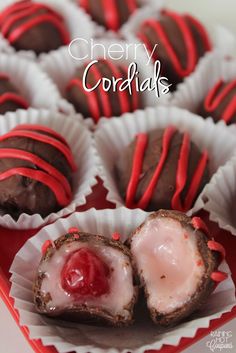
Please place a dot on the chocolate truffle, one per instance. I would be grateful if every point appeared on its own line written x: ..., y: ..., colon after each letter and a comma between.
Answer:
x: 86, y: 278
x: 162, y: 169
x: 111, y: 14
x: 220, y: 102
x: 180, y: 42
x: 36, y: 167
x: 29, y: 25
x: 98, y: 102
x: 10, y: 99
x: 177, y: 263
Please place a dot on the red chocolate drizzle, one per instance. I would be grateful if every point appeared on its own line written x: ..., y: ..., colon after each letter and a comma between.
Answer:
x: 213, y: 100
x: 216, y: 276
x: 190, y: 44
x: 93, y: 96
x: 110, y: 11
x: 181, y: 174
x: 47, y: 175
x: 116, y: 236
x: 46, y: 245
x: 23, y: 10
x: 11, y: 96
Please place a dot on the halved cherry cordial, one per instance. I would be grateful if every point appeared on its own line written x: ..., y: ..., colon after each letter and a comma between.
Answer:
x: 177, y: 264
x: 86, y: 278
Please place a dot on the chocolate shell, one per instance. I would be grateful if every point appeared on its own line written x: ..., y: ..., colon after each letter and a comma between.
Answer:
x: 180, y: 40
x: 220, y: 102
x: 97, y: 288
x: 161, y: 169
x: 177, y: 263
x: 29, y: 25
x: 99, y: 103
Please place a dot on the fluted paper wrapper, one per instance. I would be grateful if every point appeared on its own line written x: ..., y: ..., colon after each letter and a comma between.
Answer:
x: 77, y: 22
x: 61, y: 65
x: 33, y: 84
x: 79, y: 139
x: 192, y: 92
x: 221, y: 197
x: 68, y: 337
x: 113, y: 137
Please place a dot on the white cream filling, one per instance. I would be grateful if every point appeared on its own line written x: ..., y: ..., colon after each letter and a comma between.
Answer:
x: 168, y: 258
x: 120, y: 281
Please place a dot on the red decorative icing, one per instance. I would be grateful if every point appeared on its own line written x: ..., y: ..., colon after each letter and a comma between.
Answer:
x: 110, y: 11
x: 46, y: 245
x: 215, y: 246
x: 13, y: 97
x: 85, y: 274
x: 73, y: 230
x: 198, y: 223
x: 45, y: 173
x: 20, y: 17
x: 181, y: 174
x: 190, y: 45
x: 213, y: 100
x: 218, y: 276
x: 116, y: 236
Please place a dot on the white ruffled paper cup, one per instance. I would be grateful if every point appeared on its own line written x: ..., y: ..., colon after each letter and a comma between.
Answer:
x: 79, y: 139
x: 221, y: 197
x: 193, y: 90
x: 113, y: 137
x: 61, y: 65
x: 101, y: 31
x: 33, y: 84
x: 67, y: 337
x: 76, y: 21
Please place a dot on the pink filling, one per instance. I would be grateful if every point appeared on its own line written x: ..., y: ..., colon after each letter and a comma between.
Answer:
x: 169, y: 261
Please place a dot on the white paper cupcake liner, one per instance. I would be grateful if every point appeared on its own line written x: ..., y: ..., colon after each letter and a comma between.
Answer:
x: 77, y: 22
x: 221, y: 197
x: 192, y: 92
x: 80, y: 140
x: 111, y: 139
x: 61, y: 65
x: 33, y: 84
x: 68, y: 337
x: 101, y: 31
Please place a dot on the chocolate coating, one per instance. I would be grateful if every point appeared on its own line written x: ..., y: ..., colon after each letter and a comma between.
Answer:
x: 166, y: 185
x: 217, y: 113
x: 8, y: 105
x: 20, y: 194
x: 41, y: 37
x: 178, y: 44
x: 100, y: 13
x: 79, y: 97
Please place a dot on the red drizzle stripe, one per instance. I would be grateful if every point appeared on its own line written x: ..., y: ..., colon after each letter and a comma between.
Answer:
x: 148, y: 44
x: 132, y: 6
x: 141, y: 145
x: 201, y: 30
x: 46, y: 245
x: 42, y: 177
x: 22, y: 10
x: 215, y: 246
x: 122, y: 95
x: 188, y: 40
x: 181, y: 174
x: 134, y: 96
x: 198, y: 224
x: 45, y: 139
x: 13, y: 97
x: 42, y: 129
x: 84, y: 4
x: 40, y: 163
x: 219, y: 276
x: 111, y: 14
x: 196, y: 180
x: 90, y: 96
x: 213, y: 100
x: 106, y: 106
